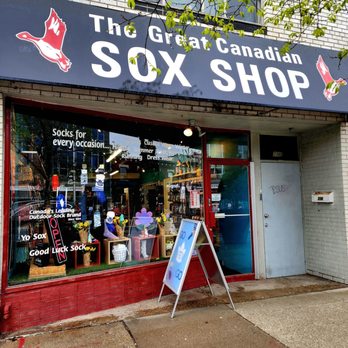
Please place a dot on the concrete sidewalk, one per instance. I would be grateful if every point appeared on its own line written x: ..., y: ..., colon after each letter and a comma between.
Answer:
x: 301, y: 311
x: 216, y: 326
x: 317, y: 319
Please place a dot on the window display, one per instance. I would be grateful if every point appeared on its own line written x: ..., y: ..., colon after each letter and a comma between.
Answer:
x: 89, y: 194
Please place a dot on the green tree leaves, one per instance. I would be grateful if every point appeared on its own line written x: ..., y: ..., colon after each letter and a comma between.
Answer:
x: 298, y: 18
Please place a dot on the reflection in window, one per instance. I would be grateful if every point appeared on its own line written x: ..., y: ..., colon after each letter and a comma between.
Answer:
x: 77, y: 191
x: 232, y: 231
x: 234, y: 8
x: 234, y: 146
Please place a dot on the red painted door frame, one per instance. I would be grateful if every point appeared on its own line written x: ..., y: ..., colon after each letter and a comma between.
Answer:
x: 209, y: 215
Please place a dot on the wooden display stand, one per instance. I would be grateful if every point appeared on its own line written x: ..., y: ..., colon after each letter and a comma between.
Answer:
x: 152, y: 247
x: 165, y: 253
x: 77, y: 253
x: 109, y: 243
x: 36, y: 272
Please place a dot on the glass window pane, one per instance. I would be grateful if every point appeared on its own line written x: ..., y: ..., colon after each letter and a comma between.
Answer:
x: 228, y: 146
x: 85, y: 198
x: 230, y: 203
x: 211, y: 7
x: 180, y: 4
x: 240, y: 12
x: 278, y: 148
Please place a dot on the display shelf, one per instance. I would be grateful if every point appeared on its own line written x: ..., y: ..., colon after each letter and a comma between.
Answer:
x: 194, y: 178
x: 109, y: 243
x: 165, y: 240
x: 150, y: 244
x: 78, y: 255
x: 193, y: 173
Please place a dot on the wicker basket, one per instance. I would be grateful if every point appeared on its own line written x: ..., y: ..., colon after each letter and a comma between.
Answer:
x: 166, y: 228
x: 119, y: 251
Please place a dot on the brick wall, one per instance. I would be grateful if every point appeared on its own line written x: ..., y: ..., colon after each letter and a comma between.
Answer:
x: 332, y: 40
x: 344, y: 157
x: 325, y: 224
x: 1, y: 177
x: 107, y: 101
x: 46, y: 302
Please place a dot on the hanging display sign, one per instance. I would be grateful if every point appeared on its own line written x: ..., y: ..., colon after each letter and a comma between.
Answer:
x: 195, y: 201
x: 67, y: 43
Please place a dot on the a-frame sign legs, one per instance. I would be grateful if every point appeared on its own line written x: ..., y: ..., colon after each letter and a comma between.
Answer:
x: 221, y: 273
x: 175, y: 304
x: 204, y: 270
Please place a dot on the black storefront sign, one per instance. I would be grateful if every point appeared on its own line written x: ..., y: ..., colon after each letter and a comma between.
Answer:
x: 67, y: 43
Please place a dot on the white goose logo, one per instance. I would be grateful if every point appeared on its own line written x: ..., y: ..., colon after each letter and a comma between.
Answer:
x: 50, y: 44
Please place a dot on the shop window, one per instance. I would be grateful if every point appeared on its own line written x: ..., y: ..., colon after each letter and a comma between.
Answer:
x: 278, y: 148
x: 235, y: 9
x: 234, y: 146
x: 86, y: 199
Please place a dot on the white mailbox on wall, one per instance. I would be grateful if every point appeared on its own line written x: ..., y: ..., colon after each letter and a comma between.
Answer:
x: 323, y: 197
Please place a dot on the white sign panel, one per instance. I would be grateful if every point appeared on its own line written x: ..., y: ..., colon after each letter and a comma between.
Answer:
x: 181, y: 255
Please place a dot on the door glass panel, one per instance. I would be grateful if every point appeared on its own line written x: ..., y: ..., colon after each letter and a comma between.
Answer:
x: 228, y: 146
x: 230, y: 204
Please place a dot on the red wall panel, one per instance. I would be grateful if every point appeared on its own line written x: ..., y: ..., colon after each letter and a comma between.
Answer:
x: 46, y: 302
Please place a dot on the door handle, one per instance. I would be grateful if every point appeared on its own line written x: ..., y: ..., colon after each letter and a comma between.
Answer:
x: 220, y: 215
x: 266, y: 216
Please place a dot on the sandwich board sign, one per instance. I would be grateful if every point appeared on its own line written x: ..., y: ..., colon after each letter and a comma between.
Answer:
x: 192, y: 237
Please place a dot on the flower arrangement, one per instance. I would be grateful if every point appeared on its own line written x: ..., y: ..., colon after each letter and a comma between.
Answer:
x: 162, y: 219
x: 120, y: 220
x: 120, y: 223
x: 164, y: 223
x: 81, y: 225
x: 83, y: 229
x: 90, y: 248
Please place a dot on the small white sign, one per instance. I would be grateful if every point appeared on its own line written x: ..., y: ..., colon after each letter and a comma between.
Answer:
x: 216, y: 197
x: 195, y: 202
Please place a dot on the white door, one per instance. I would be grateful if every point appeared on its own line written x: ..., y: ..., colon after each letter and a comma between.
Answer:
x: 282, y: 217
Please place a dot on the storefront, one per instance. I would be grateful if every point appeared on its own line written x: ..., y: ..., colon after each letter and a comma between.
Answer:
x: 69, y: 178
x: 97, y: 179
x: 88, y: 196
